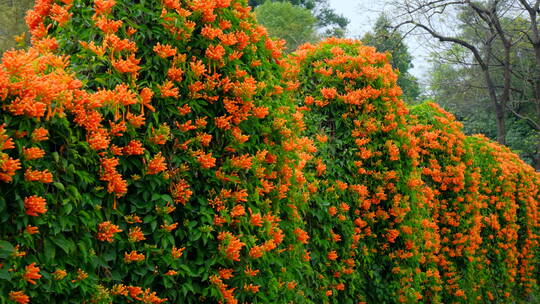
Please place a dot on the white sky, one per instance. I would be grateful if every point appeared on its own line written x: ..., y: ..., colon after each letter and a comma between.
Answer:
x: 362, y: 15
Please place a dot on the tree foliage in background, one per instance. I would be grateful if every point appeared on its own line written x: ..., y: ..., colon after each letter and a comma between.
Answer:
x: 459, y: 85
x: 387, y: 39
x: 12, y: 14
x: 496, y: 41
x: 295, y: 24
x: 329, y: 23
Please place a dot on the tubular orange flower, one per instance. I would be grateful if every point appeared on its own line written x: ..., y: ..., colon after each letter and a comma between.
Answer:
x: 8, y: 166
x: 205, y: 160
x: 177, y: 252
x: 301, y: 235
x: 35, y: 175
x: 167, y: 89
x: 242, y: 162
x: 35, y: 205
x: 135, y: 234
x: 157, y: 164
x: 215, y: 52
x: 134, y: 147
x: 170, y: 227
x: 237, y: 211
x: 106, y: 231
x: 129, y: 65
x: 32, y: 229
x: 59, y: 274
x: 33, y: 153
x: 133, y: 256
x: 108, y: 26
x: 332, y: 255
x: 251, y: 288
x: 103, y: 6
x: 31, y: 273
x: 19, y: 297
x: 165, y: 50
x: 230, y: 245
x: 226, y: 274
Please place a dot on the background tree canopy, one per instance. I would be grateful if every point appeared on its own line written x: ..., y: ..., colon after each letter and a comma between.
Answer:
x: 12, y: 14
x: 329, y: 22
x: 387, y: 39
x: 295, y: 24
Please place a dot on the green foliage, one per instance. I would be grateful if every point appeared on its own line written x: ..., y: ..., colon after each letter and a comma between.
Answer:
x: 165, y: 151
x: 283, y: 20
x: 12, y: 21
x: 387, y: 39
x: 329, y: 23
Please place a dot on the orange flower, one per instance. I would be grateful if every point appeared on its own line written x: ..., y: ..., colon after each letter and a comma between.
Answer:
x: 60, y: 14
x: 8, y: 166
x: 260, y: 112
x: 230, y: 245
x: 329, y: 93
x: 391, y: 235
x: 108, y: 26
x: 256, y: 252
x: 134, y: 147
x: 301, y: 235
x: 251, y: 288
x: 133, y: 256
x: 291, y: 285
x: 129, y: 65
x: 237, y: 211
x: 32, y: 229
x: 164, y: 51
x: 59, y: 274
x: 167, y: 89
x: 106, y: 231
x: 181, y: 192
x: 35, y: 205
x: 103, y: 6
x: 31, y: 273
x: 250, y: 272
x: 135, y: 234
x: 19, y: 297
x: 256, y: 219
x: 36, y: 175
x: 157, y: 164
x: 175, y: 74
x: 205, y: 160
x: 170, y: 273
x: 332, y: 255
x: 242, y: 162
x: 226, y: 274
x: 215, y: 52
x: 170, y: 227
x: 177, y: 252
x: 198, y: 68
x: 33, y: 153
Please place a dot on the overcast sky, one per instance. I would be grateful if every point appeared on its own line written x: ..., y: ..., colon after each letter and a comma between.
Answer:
x: 362, y: 15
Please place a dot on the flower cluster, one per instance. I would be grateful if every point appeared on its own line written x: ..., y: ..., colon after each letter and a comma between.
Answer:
x: 174, y: 155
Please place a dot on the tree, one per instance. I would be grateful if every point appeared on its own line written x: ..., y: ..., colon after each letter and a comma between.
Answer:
x: 12, y: 21
x: 385, y: 39
x: 329, y: 23
x: 496, y: 35
x: 287, y: 21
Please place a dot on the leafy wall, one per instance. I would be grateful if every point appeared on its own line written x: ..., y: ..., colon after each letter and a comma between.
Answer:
x: 165, y: 151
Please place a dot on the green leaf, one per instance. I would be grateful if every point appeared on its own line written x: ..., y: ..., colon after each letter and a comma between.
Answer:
x: 62, y: 242
x: 6, y: 249
x: 4, y: 274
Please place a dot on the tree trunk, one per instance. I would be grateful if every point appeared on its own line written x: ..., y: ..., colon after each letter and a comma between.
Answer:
x: 537, y: 101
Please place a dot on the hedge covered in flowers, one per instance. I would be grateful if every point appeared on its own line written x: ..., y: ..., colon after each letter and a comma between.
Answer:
x: 165, y: 151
